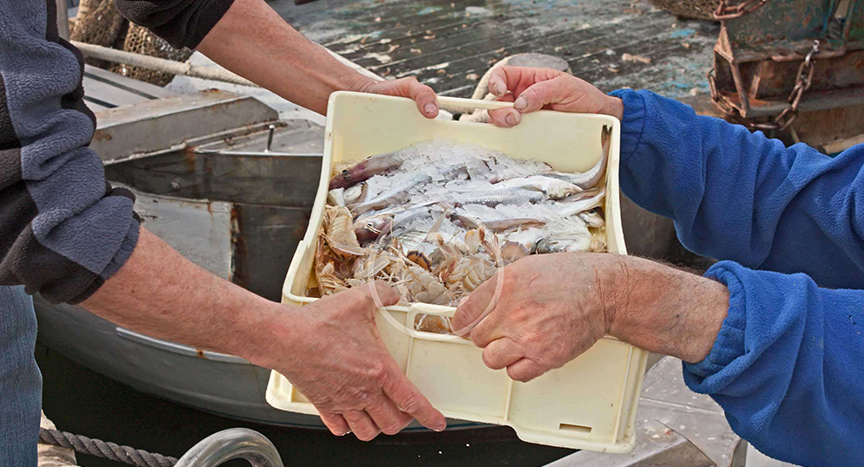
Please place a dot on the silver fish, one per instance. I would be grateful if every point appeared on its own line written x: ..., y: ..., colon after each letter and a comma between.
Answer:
x: 576, y: 207
x: 565, y: 235
x: 592, y: 218
x: 562, y: 244
x: 391, y: 196
x: 449, y: 172
x: 336, y: 197
x: 594, y: 174
x: 497, y: 196
x: 407, y: 216
x: 505, y: 168
x: 365, y: 169
x: 497, y: 225
x: 354, y: 194
x: 551, y: 187
x: 581, y: 195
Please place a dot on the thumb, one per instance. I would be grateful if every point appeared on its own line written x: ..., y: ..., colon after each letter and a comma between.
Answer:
x: 505, y: 118
x: 553, y: 91
x: 382, y: 294
x: 475, y: 307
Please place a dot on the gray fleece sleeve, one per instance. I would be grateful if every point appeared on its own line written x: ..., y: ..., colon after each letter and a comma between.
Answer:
x: 63, y: 229
x: 183, y: 23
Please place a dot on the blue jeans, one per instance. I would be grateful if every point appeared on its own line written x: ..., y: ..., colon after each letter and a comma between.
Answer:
x: 20, y: 380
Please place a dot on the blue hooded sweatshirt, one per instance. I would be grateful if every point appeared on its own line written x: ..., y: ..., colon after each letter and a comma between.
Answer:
x: 788, y: 227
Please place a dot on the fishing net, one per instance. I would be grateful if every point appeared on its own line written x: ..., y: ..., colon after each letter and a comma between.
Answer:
x: 142, y: 41
x: 697, y: 9
x: 98, y: 22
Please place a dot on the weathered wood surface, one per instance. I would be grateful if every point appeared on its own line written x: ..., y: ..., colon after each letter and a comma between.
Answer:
x: 448, y: 45
x: 104, y: 90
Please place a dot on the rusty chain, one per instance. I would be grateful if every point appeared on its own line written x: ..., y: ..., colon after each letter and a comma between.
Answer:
x: 802, y: 83
x: 724, y: 11
x: 788, y: 115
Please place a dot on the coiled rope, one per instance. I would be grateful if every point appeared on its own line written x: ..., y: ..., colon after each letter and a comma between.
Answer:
x: 105, y: 450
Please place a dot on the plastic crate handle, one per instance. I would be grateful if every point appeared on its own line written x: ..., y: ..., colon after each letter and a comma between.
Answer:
x: 424, y: 308
x: 459, y: 105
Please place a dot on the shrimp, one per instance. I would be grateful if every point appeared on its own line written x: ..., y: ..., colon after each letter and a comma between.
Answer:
x: 598, y: 243
x: 462, y: 272
x: 340, y: 234
x: 326, y: 275
x: 433, y: 323
x: 421, y: 285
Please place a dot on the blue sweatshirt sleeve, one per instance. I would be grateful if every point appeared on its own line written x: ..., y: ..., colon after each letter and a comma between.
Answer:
x: 787, y: 366
x: 743, y: 197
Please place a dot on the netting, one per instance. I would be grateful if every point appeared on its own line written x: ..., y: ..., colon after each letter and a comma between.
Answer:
x: 142, y: 41
x: 98, y: 22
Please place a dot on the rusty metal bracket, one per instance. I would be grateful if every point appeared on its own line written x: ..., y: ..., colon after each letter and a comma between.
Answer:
x: 764, y: 74
x: 724, y: 11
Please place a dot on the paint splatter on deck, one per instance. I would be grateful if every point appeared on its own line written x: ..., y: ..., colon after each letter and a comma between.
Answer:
x: 444, y: 43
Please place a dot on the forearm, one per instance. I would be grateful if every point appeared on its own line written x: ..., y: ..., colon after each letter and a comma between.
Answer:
x: 741, y: 196
x: 664, y: 310
x: 161, y: 294
x: 253, y: 41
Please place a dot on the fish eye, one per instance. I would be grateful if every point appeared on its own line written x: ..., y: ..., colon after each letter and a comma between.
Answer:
x: 345, y: 172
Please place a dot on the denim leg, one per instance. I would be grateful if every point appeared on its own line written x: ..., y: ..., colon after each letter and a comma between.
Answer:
x: 20, y: 379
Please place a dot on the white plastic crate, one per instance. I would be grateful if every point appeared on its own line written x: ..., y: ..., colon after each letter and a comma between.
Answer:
x: 590, y: 403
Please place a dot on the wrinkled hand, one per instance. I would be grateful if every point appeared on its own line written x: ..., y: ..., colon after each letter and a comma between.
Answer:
x: 424, y: 96
x: 551, y: 309
x: 532, y: 89
x: 338, y: 361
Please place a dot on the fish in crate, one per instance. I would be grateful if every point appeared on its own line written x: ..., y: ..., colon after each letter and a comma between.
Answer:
x: 438, y: 218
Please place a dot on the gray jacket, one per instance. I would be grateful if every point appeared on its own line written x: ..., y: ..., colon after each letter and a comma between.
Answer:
x: 63, y: 229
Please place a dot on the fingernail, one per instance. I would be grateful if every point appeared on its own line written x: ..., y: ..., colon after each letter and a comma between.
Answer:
x: 520, y: 103
x: 440, y: 428
x: 498, y: 88
x: 430, y: 109
x: 512, y: 118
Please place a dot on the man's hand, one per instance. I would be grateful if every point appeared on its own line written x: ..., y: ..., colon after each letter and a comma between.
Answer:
x: 552, y: 308
x: 424, y: 96
x: 329, y: 349
x: 532, y: 89
x: 337, y: 360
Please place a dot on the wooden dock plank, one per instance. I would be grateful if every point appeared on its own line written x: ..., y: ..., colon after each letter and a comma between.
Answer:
x: 427, y: 39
